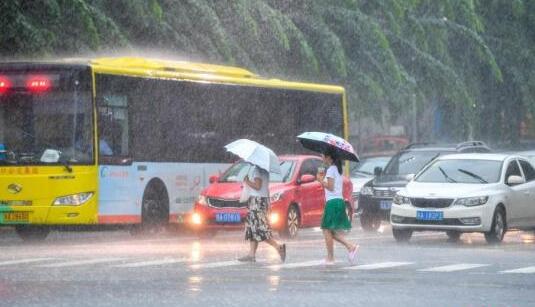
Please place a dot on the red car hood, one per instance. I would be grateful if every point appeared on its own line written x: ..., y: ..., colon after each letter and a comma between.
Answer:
x: 232, y: 190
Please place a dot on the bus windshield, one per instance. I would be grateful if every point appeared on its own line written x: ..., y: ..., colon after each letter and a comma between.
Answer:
x: 45, y: 122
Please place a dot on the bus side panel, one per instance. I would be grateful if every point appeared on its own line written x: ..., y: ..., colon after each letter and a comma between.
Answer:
x: 184, y: 182
x: 118, y: 203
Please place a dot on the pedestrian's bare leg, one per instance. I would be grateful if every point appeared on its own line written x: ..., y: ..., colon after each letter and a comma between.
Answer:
x: 273, y: 243
x: 340, y: 238
x: 329, y: 244
x: 253, y: 246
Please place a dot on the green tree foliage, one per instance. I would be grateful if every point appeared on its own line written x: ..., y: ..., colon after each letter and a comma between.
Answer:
x: 472, y: 60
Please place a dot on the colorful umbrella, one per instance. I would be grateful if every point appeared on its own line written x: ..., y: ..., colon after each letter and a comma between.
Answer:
x: 320, y: 142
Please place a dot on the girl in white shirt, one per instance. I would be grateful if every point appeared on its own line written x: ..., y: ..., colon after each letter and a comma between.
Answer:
x: 335, y: 219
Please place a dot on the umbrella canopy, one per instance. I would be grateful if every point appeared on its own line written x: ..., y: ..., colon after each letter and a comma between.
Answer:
x: 320, y: 142
x: 255, y: 153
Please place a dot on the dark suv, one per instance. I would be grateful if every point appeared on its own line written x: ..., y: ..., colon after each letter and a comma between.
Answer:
x: 376, y: 196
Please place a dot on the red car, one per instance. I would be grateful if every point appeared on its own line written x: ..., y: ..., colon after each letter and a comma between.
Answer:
x: 297, y: 199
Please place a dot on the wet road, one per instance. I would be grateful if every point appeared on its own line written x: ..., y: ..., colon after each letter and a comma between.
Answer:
x: 114, y: 269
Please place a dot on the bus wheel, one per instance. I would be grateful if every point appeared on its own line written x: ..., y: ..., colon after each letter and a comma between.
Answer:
x: 154, y: 208
x: 32, y: 233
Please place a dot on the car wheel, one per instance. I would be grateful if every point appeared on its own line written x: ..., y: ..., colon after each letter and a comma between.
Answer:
x: 370, y: 221
x: 453, y: 236
x: 292, y: 223
x: 402, y: 235
x: 32, y: 233
x: 498, y: 228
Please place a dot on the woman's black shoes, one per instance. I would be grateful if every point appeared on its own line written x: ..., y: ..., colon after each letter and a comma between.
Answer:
x: 282, y: 252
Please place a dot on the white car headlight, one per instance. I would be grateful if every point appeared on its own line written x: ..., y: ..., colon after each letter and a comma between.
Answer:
x: 471, y: 201
x: 202, y: 200
x: 366, y: 191
x: 276, y: 197
x: 401, y: 200
x: 73, y: 200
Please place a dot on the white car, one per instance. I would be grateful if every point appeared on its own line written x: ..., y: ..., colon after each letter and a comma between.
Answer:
x: 476, y: 192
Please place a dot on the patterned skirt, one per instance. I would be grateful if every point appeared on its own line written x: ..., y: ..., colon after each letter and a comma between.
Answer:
x: 257, y: 226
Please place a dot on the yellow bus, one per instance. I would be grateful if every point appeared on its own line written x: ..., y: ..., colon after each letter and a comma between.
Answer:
x: 132, y: 141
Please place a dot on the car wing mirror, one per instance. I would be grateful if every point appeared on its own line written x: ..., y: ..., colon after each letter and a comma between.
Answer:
x: 377, y: 171
x: 515, y: 180
x: 306, y: 178
x: 410, y: 177
x: 213, y: 178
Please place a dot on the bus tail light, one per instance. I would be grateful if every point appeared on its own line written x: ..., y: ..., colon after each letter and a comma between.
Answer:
x: 5, y: 84
x: 73, y: 200
x: 38, y: 83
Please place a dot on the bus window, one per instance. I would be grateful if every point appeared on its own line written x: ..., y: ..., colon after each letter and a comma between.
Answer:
x: 113, y: 126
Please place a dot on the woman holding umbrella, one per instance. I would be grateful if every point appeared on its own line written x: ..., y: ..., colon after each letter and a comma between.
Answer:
x: 335, y: 220
x: 257, y: 227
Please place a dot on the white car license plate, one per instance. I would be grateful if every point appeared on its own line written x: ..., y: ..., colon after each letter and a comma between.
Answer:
x: 429, y: 215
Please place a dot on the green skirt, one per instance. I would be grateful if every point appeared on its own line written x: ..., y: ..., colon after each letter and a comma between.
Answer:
x: 335, y: 216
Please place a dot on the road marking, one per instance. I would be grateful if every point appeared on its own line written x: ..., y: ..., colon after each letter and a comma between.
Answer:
x: 79, y: 262
x: 526, y: 270
x: 221, y: 264
x: 454, y: 267
x: 149, y: 263
x: 296, y: 265
x: 377, y: 266
x: 25, y: 261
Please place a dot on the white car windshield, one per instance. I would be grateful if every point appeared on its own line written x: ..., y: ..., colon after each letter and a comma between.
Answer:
x: 462, y: 171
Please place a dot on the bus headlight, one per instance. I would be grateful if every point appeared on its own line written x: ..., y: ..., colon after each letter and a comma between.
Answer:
x: 73, y: 200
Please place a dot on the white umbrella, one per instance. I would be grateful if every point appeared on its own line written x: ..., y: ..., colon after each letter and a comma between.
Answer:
x: 256, y: 154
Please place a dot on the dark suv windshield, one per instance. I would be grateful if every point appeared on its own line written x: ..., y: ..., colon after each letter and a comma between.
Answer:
x: 409, y: 162
x: 237, y: 172
x: 47, y: 123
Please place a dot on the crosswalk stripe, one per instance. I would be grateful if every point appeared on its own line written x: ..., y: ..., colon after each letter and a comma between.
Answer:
x: 79, y: 262
x: 454, y: 267
x: 381, y: 265
x: 210, y: 265
x: 296, y: 265
x: 526, y: 270
x: 149, y: 263
x: 21, y: 261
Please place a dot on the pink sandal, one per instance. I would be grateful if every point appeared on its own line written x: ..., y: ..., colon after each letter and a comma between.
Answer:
x: 353, y: 254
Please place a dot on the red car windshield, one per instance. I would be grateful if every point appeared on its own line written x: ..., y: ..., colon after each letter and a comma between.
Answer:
x: 237, y: 172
